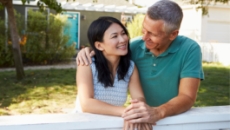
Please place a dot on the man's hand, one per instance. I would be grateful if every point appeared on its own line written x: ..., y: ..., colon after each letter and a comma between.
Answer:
x: 140, y: 112
x: 84, y: 56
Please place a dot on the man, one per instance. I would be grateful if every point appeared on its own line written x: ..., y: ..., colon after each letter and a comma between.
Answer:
x: 170, y: 66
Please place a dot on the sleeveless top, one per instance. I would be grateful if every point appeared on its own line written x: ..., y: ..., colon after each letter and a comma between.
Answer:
x: 115, y: 95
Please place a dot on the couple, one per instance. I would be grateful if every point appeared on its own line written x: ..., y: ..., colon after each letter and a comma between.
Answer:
x: 169, y: 67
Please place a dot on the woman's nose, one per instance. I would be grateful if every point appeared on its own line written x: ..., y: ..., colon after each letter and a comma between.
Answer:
x: 123, y: 38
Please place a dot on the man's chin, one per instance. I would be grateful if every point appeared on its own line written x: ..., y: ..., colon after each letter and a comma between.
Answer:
x: 149, y: 47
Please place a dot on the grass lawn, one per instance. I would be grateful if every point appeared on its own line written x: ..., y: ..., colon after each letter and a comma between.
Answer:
x: 215, y: 89
x: 42, y: 91
x: 54, y: 90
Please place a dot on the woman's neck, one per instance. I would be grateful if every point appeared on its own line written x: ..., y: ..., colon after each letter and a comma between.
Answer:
x: 113, y: 62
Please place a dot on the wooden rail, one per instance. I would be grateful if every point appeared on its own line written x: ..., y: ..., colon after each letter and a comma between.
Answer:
x: 202, y: 118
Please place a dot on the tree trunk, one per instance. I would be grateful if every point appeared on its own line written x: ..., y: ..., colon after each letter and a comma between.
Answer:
x: 15, y: 41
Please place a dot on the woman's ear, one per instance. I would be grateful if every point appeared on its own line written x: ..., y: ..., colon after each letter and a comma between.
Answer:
x: 99, y: 46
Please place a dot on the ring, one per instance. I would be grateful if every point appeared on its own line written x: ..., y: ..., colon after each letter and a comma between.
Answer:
x: 135, y: 128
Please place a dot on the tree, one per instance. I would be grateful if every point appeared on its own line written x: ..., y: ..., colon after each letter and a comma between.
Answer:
x: 8, y: 4
x: 203, y: 4
x: 53, y: 4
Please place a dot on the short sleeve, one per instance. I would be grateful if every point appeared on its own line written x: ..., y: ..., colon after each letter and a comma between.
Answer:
x: 193, y: 63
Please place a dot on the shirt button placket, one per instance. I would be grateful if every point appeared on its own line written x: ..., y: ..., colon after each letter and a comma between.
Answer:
x: 154, y: 65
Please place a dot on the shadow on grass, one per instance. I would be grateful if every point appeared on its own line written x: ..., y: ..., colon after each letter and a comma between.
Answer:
x: 214, y: 90
x: 49, y: 91
x: 41, y: 91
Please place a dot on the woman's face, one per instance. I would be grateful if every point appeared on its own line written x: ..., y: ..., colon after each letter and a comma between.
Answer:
x: 115, y: 41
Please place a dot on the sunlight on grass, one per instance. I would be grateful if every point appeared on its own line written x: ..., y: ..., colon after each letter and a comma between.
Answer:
x: 42, y: 91
x: 52, y: 91
x: 214, y: 90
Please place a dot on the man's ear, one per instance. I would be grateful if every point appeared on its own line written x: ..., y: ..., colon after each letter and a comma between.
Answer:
x: 99, y: 46
x: 173, y: 35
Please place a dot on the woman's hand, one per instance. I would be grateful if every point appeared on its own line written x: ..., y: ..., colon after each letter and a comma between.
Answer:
x: 140, y: 112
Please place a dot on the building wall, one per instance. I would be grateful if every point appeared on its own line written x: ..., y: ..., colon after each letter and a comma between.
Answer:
x: 86, y: 19
x: 191, y: 23
x: 216, y: 25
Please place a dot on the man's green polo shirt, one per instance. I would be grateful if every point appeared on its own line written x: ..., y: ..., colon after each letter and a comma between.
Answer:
x: 160, y: 76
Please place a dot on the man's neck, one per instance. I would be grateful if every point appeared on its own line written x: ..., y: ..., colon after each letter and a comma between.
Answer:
x: 158, y: 51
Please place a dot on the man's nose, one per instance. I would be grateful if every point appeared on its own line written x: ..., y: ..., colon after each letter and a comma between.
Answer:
x: 145, y: 36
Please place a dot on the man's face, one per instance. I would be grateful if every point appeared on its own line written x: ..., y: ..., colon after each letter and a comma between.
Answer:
x: 154, y: 35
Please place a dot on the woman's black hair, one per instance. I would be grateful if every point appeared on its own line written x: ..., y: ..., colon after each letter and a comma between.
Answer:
x: 96, y: 33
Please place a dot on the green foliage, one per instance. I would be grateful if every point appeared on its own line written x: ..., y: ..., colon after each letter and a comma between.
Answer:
x: 203, y: 4
x: 46, y: 42
x: 42, y: 43
x: 135, y: 27
x: 5, y: 50
x: 52, y: 4
x: 6, y: 54
x: 1, y: 6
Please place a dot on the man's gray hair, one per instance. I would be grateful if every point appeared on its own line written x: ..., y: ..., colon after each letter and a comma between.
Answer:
x: 168, y: 11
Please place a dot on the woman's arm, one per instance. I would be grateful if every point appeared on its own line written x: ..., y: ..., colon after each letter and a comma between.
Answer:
x: 135, y: 89
x: 86, y: 95
x: 136, y: 93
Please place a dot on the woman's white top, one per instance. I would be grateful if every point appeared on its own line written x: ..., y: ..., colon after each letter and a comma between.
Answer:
x: 116, y: 95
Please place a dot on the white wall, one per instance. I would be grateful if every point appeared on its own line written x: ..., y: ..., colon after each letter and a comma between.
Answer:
x: 191, y: 23
x: 216, y: 52
x: 216, y: 25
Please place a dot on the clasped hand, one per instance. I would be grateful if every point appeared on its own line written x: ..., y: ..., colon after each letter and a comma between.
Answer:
x: 139, y: 116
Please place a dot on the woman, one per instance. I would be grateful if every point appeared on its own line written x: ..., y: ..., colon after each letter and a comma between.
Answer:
x: 103, y: 86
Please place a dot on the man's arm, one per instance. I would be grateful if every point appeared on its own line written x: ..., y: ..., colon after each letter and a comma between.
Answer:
x: 84, y: 56
x: 141, y: 112
x: 184, y: 101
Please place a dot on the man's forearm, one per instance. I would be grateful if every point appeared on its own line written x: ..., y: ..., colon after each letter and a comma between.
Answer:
x: 184, y: 101
x: 175, y: 106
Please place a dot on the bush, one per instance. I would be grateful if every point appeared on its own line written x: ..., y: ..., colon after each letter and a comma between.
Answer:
x: 135, y: 27
x: 46, y: 41
x: 6, y: 54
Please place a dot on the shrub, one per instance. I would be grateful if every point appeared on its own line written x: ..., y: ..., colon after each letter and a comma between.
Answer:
x: 6, y: 54
x: 46, y: 41
x: 135, y: 27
